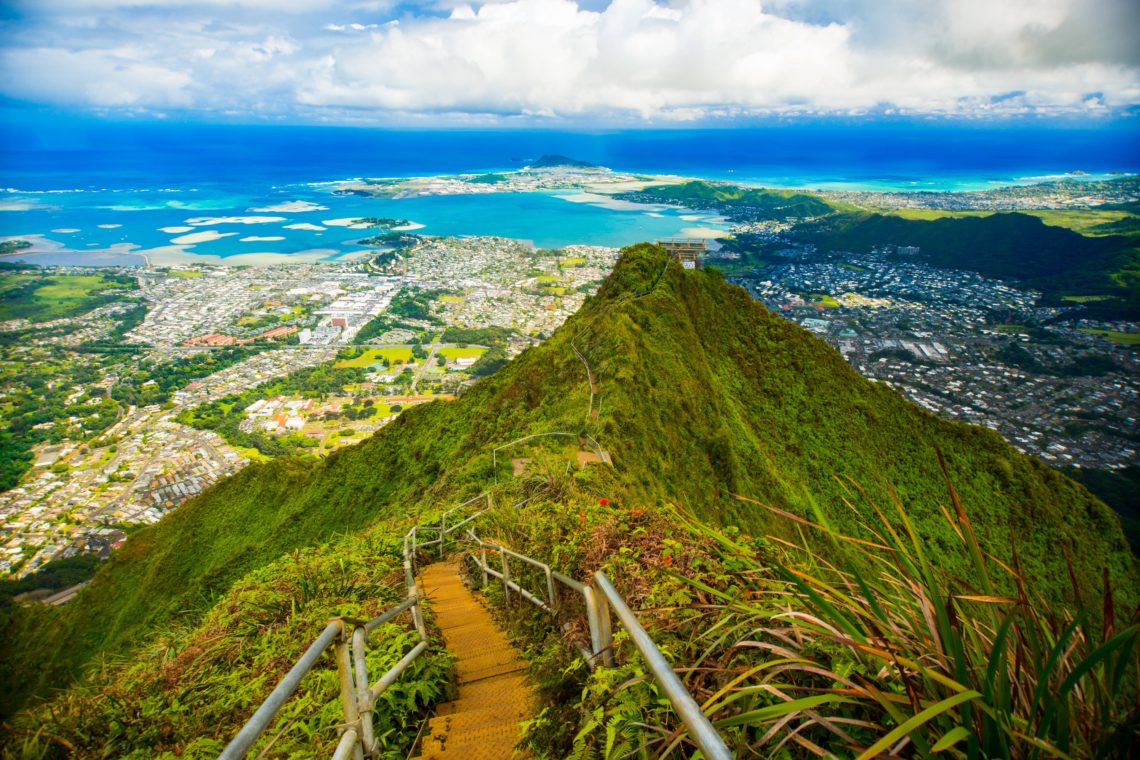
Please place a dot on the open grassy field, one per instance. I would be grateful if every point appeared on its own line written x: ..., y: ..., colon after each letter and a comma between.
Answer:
x: 451, y: 299
x: 460, y: 353
x: 42, y: 299
x: 572, y: 261
x: 1085, y: 299
x: 824, y: 300
x: 186, y: 274
x: 1078, y: 220
x: 927, y: 214
x: 376, y: 355
x: 1119, y: 338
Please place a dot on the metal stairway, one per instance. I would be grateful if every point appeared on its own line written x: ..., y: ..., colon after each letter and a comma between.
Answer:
x: 494, y: 696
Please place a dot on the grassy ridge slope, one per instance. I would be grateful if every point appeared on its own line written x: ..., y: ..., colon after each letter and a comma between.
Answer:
x: 701, y: 393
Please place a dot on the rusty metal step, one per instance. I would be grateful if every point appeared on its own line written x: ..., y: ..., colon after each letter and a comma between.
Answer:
x: 494, y: 696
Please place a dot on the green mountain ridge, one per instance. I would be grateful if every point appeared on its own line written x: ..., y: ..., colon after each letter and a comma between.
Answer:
x: 700, y: 394
x: 734, y: 201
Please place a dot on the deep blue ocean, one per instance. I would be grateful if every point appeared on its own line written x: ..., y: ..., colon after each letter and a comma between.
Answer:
x: 104, y: 189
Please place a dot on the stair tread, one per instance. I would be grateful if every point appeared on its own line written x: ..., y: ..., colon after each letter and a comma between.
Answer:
x: 494, y: 696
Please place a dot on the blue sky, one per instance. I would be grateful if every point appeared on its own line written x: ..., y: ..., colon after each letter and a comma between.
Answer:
x: 566, y: 63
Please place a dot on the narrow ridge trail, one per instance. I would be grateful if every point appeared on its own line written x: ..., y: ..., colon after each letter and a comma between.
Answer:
x: 494, y: 694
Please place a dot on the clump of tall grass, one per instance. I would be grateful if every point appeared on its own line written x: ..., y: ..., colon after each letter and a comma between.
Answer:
x: 875, y: 651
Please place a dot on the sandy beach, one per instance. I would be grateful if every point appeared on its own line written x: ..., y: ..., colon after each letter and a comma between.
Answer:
x: 205, y: 236
x: 290, y: 207
x: 206, y: 221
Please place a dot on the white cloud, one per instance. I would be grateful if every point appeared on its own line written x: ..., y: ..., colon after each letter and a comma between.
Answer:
x: 686, y: 59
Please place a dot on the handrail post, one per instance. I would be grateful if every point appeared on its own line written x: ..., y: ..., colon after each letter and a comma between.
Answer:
x: 363, y: 695
x: 483, y: 564
x: 606, y: 634
x: 347, y: 695
x: 442, y: 533
x: 592, y: 621
x: 549, y: 587
x: 506, y: 575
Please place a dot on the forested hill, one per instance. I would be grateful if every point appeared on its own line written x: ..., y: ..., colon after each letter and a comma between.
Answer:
x: 752, y: 204
x: 699, y: 394
x: 1011, y: 246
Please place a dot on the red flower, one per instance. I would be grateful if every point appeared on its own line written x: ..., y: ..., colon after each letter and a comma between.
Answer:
x: 603, y: 502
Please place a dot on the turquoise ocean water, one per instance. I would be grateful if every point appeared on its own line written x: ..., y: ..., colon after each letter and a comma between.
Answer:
x: 94, y: 192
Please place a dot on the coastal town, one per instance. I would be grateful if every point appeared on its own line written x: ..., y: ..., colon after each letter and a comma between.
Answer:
x: 970, y: 348
x: 158, y: 381
x: 117, y: 464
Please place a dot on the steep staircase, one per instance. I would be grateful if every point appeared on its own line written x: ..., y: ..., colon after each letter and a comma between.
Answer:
x: 494, y: 696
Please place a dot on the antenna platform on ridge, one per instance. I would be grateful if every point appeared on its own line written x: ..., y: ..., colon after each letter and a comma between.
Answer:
x: 685, y: 250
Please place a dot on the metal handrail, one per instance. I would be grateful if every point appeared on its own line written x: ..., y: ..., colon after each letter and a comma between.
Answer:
x: 260, y: 719
x: 702, y: 731
x: 599, y: 596
x: 350, y: 638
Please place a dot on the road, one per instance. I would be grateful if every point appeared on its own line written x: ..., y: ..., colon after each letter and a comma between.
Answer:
x: 66, y: 595
x: 426, y: 363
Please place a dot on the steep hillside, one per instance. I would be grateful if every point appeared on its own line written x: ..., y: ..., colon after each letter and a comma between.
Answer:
x: 699, y: 394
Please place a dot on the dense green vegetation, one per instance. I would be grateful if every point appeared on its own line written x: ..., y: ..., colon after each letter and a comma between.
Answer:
x: 482, y: 336
x: 396, y: 240
x: 407, y: 304
x: 738, y: 203
x: 1119, y: 489
x: 183, y: 700
x: 414, y: 303
x: 13, y: 246
x: 40, y: 298
x: 486, y: 179
x: 382, y: 222
x: 490, y: 362
x: 798, y: 654
x: 779, y: 458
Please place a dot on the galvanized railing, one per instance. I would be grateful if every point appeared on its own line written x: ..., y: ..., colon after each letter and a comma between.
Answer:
x: 600, y: 597
x: 349, y: 638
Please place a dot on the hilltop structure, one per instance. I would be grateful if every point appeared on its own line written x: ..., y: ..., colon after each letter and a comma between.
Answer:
x: 686, y: 251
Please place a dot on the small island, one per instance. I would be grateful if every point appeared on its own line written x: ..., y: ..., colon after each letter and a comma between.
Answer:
x: 8, y: 247
x: 382, y: 222
x: 555, y: 161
